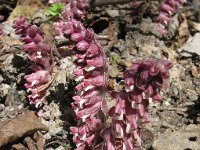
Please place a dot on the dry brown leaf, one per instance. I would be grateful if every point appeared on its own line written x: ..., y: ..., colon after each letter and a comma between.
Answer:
x: 124, y: 63
x: 111, y: 84
x: 30, y: 143
x: 25, y: 124
x: 194, y: 25
x: 38, y: 137
x: 19, y: 146
x: 183, y: 31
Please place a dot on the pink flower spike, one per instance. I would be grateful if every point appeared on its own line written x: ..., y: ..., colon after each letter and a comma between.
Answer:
x: 39, y: 52
x: 166, y: 9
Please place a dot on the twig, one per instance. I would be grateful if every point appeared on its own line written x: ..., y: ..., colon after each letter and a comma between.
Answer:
x: 102, y: 37
x: 107, y: 2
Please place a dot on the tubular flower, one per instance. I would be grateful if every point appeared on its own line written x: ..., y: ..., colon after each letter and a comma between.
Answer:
x: 90, y: 73
x: 39, y: 52
x: 143, y: 80
x: 166, y: 9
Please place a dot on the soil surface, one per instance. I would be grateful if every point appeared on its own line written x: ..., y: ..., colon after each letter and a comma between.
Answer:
x: 126, y: 34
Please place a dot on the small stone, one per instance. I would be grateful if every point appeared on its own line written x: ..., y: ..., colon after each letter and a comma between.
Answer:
x: 191, y: 47
x: 113, y: 13
x: 195, y: 71
x: 133, y: 51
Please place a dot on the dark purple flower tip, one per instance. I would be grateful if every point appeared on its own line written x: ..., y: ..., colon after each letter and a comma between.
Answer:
x: 37, y: 38
x: 140, y: 84
x: 43, y: 47
x: 146, y: 75
x: 135, y: 96
x: 30, y: 47
x: 26, y: 39
x: 154, y: 70
x: 133, y: 69
x: 32, y: 31
x: 20, y: 21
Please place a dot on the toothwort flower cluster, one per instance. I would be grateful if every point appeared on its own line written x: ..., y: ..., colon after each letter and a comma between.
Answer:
x: 143, y: 81
x: 147, y: 78
x: 166, y: 9
x: 90, y: 73
x: 39, y: 52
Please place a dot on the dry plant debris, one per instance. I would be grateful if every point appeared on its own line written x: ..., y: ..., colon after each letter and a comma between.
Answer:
x: 25, y: 124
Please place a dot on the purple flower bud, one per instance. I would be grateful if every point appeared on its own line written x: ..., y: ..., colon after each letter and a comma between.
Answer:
x: 30, y: 47
x: 76, y: 37
x: 82, y: 45
x: 44, y: 48
x: 37, y: 38
x: 32, y: 31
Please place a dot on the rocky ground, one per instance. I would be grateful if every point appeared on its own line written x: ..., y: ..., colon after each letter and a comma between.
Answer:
x: 126, y: 34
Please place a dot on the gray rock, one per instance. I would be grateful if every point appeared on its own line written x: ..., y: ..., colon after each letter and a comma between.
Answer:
x: 192, y: 46
x: 113, y: 13
x: 188, y: 138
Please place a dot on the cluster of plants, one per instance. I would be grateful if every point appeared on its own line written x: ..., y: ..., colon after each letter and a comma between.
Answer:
x: 143, y: 80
